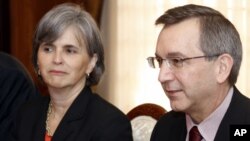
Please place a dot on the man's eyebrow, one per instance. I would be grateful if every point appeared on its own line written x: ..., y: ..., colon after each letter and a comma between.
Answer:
x: 171, y: 55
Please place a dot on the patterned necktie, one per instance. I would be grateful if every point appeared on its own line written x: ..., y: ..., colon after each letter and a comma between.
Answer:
x: 194, y: 134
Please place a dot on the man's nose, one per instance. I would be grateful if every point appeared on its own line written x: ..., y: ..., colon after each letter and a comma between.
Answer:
x: 166, y: 73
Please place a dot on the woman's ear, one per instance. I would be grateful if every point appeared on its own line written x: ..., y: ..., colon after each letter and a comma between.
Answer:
x: 225, y: 64
x: 92, y: 64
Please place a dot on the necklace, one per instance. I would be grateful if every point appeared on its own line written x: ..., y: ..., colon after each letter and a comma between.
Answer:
x: 47, y: 120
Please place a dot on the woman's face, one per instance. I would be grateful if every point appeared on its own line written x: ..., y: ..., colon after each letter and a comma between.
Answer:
x: 65, y: 62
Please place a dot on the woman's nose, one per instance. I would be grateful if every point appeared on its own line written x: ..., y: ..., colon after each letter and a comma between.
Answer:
x: 58, y: 59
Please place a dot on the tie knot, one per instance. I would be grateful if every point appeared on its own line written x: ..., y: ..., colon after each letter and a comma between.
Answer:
x: 194, y: 134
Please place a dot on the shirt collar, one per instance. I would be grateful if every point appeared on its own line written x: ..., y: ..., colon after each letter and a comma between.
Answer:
x: 208, y: 127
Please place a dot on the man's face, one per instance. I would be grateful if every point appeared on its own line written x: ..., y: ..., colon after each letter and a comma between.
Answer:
x: 190, y: 88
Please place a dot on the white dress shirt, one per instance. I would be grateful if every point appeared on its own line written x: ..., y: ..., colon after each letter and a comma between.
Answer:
x: 208, y: 127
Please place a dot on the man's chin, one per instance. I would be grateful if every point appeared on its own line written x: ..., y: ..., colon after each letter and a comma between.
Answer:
x: 177, y: 108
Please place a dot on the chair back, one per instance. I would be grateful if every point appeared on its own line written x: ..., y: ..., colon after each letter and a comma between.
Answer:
x: 143, y: 119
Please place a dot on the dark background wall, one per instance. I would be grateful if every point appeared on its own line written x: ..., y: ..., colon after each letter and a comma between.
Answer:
x: 18, y: 20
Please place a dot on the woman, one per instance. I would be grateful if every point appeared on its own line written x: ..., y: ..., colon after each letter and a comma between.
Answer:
x: 68, y: 56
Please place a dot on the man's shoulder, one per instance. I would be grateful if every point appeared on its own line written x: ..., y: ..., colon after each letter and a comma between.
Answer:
x: 240, y: 100
x: 171, y: 126
x: 238, y: 111
x: 172, y: 117
x: 171, y: 120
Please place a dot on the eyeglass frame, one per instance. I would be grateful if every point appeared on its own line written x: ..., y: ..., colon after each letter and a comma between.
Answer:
x: 171, y: 60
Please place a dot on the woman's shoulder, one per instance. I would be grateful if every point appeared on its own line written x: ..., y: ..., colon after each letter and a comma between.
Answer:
x: 34, y: 105
x: 105, y: 107
x: 97, y: 105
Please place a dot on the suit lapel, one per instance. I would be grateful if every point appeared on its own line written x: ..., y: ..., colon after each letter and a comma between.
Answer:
x: 39, y: 127
x: 181, y: 133
x: 73, y: 117
x: 182, y: 129
x: 178, y: 128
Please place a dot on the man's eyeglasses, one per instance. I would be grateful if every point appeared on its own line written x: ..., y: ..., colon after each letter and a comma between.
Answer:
x: 156, y: 62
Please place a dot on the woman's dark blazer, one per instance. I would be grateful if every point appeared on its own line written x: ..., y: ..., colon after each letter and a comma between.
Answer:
x: 172, y: 126
x: 90, y: 118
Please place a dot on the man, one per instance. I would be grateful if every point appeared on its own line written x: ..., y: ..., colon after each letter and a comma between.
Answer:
x: 199, y: 54
x: 16, y: 87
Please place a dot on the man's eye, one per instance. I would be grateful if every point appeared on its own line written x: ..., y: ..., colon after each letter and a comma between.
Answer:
x: 176, y: 61
x: 159, y: 60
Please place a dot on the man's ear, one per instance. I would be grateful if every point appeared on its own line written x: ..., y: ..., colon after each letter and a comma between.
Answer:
x: 92, y: 64
x: 225, y: 64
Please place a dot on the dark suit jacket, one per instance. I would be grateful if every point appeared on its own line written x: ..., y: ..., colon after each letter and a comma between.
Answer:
x: 90, y: 118
x: 16, y: 87
x: 172, y: 126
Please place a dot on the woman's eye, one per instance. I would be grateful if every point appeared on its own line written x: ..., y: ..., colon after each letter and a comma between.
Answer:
x: 47, y: 48
x: 71, y: 50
